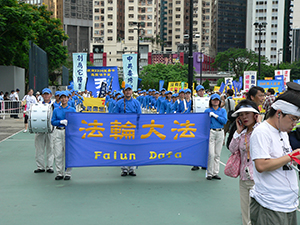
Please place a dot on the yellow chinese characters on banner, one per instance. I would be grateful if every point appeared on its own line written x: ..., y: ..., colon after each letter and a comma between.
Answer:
x: 172, y: 86
x: 93, y: 105
x: 268, y: 78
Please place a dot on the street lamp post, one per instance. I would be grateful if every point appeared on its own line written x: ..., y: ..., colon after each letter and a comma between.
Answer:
x: 279, y: 52
x: 138, y: 44
x: 191, y: 68
x: 259, y: 27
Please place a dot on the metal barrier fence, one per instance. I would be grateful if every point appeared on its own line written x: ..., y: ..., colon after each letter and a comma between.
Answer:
x: 11, y: 108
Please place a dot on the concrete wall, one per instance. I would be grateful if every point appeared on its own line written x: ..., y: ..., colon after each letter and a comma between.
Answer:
x: 11, y: 78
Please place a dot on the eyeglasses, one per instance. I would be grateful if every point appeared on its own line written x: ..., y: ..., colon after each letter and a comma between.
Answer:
x: 294, y: 120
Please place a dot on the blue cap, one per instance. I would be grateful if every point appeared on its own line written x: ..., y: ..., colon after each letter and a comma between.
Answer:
x: 187, y: 90
x: 174, y: 95
x: 181, y: 91
x: 168, y: 92
x: 215, y: 96
x: 127, y: 86
x: 163, y: 89
x: 149, y: 90
x: 65, y: 93
x: 153, y: 90
x: 17, y: 89
x: 120, y: 96
x: 46, y: 91
x: 57, y: 93
x: 156, y: 92
x: 72, y: 90
x: 199, y: 87
x: 139, y: 89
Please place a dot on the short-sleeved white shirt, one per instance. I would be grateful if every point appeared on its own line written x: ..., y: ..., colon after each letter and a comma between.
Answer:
x: 276, y: 190
x: 29, y: 100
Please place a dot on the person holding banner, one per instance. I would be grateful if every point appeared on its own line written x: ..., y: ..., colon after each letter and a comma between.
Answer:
x: 274, y: 197
x: 128, y: 105
x: 187, y: 97
x: 59, y: 121
x: 218, y: 120
x: 200, y: 104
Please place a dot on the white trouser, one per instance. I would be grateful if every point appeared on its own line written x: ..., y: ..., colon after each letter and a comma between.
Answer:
x: 215, y: 148
x: 42, y: 141
x: 128, y: 168
x: 59, y: 153
x: 245, y: 187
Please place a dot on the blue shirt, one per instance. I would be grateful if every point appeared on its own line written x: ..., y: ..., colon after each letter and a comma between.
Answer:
x: 56, y: 104
x: 170, y: 107
x: 131, y: 106
x: 220, y: 121
x: 163, y: 106
x: 159, y: 101
x: 111, y: 105
x: 60, y: 114
x: 179, y: 107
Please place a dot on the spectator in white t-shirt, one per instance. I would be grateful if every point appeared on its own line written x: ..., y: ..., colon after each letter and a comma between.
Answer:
x: 27, y: 101
x: 274, y: 198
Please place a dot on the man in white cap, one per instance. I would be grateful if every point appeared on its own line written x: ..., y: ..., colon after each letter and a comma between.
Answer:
x: 200, y: 104
x: 44, y: 141
x: 274, y: 198
x: 128, y: 105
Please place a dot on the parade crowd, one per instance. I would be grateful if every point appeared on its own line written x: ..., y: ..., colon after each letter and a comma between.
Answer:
x: 266, y: 143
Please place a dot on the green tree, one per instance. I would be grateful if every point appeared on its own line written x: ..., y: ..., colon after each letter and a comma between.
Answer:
x: 206, y: 85
x: 152, y: 74
x: 238, y: 60
x: 20, y: 23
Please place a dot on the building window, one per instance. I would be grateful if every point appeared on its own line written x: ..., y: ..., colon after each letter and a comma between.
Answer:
x: 130, y: 31
x: 96, y: 18
x: 149, y: 24
x: 149, y: 31
x: 149, y: 9
x: 110, y: 23
x: 178, y: 16
x: 97, y: 3
x: 149, y: 17
x: 177, y: 36
x: 109, y: 31
x: 96, y: 32
x: 131, y: 16
x: 178, y: 9
x: 178, y: 2
x: 109, y: 38
x: 130, y: 38
x: 97, y: 10
x: 110, y: 8
x: 130, y: 8
x: 110, y: 16
x: 177, y: 23
x: 97, y: 25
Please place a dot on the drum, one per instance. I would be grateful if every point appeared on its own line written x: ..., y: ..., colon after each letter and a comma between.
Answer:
x: 39, y: 120
x: 200, y: 104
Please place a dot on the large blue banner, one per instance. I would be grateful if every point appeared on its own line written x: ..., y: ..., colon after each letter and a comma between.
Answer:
x: 137, y: 139
x: 97, y: 75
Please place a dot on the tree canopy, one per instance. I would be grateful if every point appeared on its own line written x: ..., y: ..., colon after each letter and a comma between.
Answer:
x: 20, y: 23
x: 238, y: 60
x: 153, y: 73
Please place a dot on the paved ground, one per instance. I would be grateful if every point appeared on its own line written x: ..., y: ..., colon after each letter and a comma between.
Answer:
x: 9, y: 126
x: 159, y: 195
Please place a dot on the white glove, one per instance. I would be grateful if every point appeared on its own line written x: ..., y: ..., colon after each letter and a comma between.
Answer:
x: 64, y: 122
x: 212, y: 114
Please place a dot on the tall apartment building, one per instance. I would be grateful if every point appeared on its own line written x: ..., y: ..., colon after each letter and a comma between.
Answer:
x: 164, y: 21
x: 296, y: 32
x: 229, y: 24
x: 276, y: 37
x: 77, y: 20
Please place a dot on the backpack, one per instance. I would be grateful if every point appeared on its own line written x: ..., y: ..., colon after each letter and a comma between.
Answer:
x: 230, y: 112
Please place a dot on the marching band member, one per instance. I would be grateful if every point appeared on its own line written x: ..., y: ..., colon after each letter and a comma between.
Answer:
x: 200, y: 106
x: 128, y: 105
x: 218, y: 120
x: 44, y: 140
x: 59, y: 121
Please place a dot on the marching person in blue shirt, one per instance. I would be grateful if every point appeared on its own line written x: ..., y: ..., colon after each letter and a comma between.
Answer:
x: 59, y: 121
x: 218, y: 120
x: 160, y: 99
x: 164, y: 104
x: 170, y: 106
x: 181, y: 104
x: 187, y: 97
x: 128, y: 105
x: 56, y: 104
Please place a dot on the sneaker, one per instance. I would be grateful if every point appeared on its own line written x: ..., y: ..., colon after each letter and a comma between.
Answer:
x: 59, y: 177
x: 67, y: 178
x: 209, y: 178
x: 195, y: 168
x: 24, y: 131
x: 124, y: 174
x: 39, y: 171
x: 132, y: 173
x: 216, y: 177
